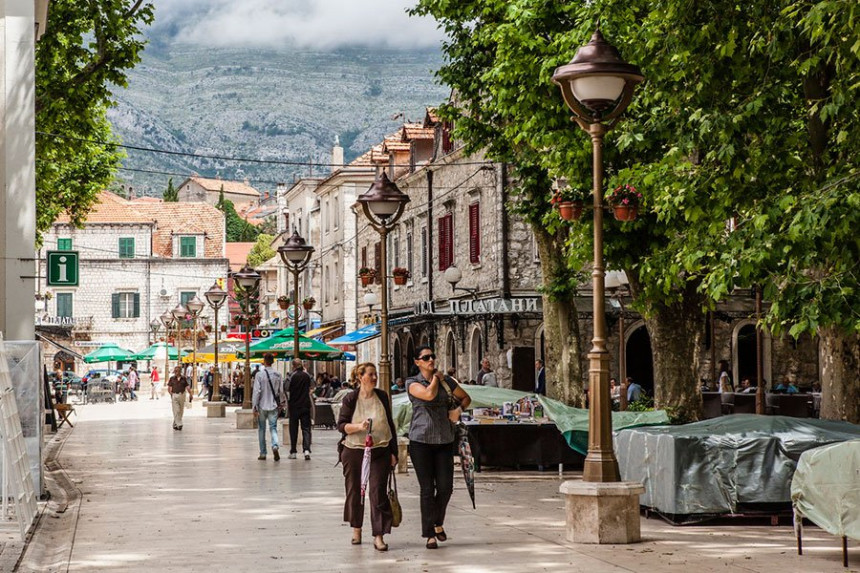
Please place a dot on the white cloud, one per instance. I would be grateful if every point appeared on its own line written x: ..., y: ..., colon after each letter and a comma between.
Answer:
x: 322, y: 24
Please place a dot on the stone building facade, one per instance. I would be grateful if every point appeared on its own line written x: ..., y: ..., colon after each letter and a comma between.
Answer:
x: 203, y: 190
x: 137, y: 259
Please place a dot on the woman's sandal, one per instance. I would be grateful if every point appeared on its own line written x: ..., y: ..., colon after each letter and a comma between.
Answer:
x: 431, y: 543
x: 356, y: 539
x: 440, y: 535
x: 383, y: 547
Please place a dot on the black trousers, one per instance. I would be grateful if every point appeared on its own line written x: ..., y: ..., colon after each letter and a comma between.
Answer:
x: 305, y: 418
x: 434, y: 466
x: 377, y: 494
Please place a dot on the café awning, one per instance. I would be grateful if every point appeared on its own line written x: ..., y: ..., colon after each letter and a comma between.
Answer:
x: 363, y: 334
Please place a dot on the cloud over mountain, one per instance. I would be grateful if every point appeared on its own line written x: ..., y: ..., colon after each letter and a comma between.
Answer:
x: 305, y: 24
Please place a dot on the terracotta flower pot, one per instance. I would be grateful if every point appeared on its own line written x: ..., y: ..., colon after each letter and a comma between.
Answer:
x: 625, y: 212
x: 400, y: 279
x: 284, y: 304
x: 570, y: 210
x: 365, y: 279
x: 308, y: 305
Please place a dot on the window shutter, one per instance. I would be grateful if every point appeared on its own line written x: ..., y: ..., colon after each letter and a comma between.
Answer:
x: 446, y: 241
x: 442, y: 244
x: 363, y: 257
x: 136, y: 313
x: 114, y: 305
x: 424, y: 247
x: 377, y: 261
x: 474, y: 234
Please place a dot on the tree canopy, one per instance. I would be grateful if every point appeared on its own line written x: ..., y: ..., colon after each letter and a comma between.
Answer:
x: 238, y: 229
x: 86, y: 51
x: 171, y: 194
x: 262, y: 250
x: 747, y: 115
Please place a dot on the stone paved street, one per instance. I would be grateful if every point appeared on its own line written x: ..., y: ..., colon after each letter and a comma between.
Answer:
x: 152, y: 499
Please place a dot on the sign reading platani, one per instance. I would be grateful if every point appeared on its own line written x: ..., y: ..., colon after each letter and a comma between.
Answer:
x: 62, y: 268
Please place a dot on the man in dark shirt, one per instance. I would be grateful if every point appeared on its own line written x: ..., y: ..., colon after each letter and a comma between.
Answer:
x: 178, y: 386
x: 299, y: 406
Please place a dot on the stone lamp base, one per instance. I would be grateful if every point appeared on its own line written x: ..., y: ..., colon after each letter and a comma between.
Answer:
x: 245, y: 420
x: 215, y: 409
x: 602, y: 513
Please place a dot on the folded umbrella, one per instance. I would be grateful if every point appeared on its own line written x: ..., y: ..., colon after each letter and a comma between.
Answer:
x: 467, y: 461
x: 365, y: 461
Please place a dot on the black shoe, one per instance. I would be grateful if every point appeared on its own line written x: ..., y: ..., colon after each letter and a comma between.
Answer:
x: 179, y: 428
x: 440, y: 535
x: 277, y: 454
x: 431, y: 543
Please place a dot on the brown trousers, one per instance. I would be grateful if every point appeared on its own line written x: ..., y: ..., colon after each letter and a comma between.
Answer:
x: 377, y: 495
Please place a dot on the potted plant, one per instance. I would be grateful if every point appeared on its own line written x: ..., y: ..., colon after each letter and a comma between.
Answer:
x: 366, y: 275
x: 401, y: 275
x: 308, y: 302
x: 284, y: 302
x: 625, y: 201
x: 569, y: 202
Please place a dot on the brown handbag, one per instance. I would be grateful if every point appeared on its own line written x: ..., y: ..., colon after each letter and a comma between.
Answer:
x: 396, y: 510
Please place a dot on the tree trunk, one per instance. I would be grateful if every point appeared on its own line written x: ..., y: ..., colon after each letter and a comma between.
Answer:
x: 564, y: 380
x: 676, y: 332
x: 839, y: 367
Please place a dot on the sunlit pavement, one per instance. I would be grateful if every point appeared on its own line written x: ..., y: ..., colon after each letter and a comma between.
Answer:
x: 154, y: 499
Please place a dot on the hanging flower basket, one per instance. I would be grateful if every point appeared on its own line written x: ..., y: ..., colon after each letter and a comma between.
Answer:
x: 283, y: 302
x: 571, y: 210
x: 401, y: 275
x: 366, y: 275
x: 625, y: 212
x: 625, y: 200
x: 309, y: 302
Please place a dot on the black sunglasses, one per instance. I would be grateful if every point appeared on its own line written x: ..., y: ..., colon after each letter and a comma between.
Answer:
x: 427, y: 357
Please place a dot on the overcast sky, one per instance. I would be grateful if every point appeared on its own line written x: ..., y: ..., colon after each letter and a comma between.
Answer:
x: 323, y: 24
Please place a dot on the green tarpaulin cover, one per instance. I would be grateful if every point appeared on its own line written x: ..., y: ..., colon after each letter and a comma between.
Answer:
x: 826, y: 488
x: 571, y: 422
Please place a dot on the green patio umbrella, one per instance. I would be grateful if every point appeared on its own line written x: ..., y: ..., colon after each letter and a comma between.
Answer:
x: 281, y: 346
x: 156, y: 352
x: 109, y: 352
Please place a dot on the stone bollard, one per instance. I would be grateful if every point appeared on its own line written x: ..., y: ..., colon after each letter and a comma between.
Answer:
x: 402, y: 455
x: 604, y: 513
x: 245, y: 420
x: 215, y: 409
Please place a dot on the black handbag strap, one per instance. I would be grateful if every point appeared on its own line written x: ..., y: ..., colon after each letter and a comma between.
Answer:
x: 271, y: 387
x: 392, y: 480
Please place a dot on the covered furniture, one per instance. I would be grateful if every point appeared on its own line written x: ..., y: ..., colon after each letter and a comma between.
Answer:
x: 520, y: 444
x: 826, y: 490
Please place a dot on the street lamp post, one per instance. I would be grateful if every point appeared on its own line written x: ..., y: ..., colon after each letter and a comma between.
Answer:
x: 155, y: 326
x: 216, y: 296
x: 167, y: 320
x: 195, y: 307
x: 248, y: 281
x: 597, y: 86
x: 296, y: 254
x: 383, y: 204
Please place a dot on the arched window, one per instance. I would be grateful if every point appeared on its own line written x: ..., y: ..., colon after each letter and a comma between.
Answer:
x: 451, y: 352
x: 476, y: 354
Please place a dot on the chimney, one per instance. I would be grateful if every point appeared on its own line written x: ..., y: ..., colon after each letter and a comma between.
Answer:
x: 130, y: 193
x: 336, y: 154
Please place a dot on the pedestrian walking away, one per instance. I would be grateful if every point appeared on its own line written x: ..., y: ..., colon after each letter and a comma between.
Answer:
x: 299, y: 405
x: 178, y: 387
x: 154, y: 384
x: 132, y: 382
x: 431, y: 440
x: 267, y: 399
x: 366, y: 409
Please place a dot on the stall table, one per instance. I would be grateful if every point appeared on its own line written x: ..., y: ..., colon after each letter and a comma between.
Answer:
x: 502, y: 443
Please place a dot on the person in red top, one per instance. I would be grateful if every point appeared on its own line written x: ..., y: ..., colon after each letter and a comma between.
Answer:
x: 155, y: 384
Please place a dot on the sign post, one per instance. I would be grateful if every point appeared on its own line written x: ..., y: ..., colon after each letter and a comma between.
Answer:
x: 62, y: 268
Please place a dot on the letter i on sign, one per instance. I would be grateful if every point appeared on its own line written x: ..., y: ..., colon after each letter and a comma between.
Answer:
x: 62, y: 268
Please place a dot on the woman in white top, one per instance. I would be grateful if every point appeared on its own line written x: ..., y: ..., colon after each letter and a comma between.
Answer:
x: 367, y: 408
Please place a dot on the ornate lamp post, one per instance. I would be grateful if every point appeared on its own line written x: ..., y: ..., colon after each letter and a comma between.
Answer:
x: 195, y: 307
x: 167, y: 320
x: 249, y: 281
x: 216, y: 296
x: 383, y: 204
x: 296, y: 254
x: 597, y: 86
x: 155, y: 326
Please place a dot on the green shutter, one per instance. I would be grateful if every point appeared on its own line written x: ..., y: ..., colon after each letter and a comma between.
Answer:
x: 114, y: 300
x: 64, y: 244
x: 188, y: 247
x: 64, y: 305
x: 136, y: 313
x: 126, y: 247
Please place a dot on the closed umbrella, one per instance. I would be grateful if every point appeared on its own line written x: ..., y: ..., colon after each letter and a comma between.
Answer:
x: 365, y: 461
x: 467, y: 461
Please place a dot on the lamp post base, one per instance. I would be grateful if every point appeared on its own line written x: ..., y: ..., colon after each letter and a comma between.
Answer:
x: 245, y: 419
x: 215, y: 409
x: 602, y: 513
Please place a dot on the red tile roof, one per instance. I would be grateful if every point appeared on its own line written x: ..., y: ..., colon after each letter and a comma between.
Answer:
x: 234, y: 187
x: 111, y: 208
x: 412, y: 131
x: 238, y: 254
x: 184, y: 218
